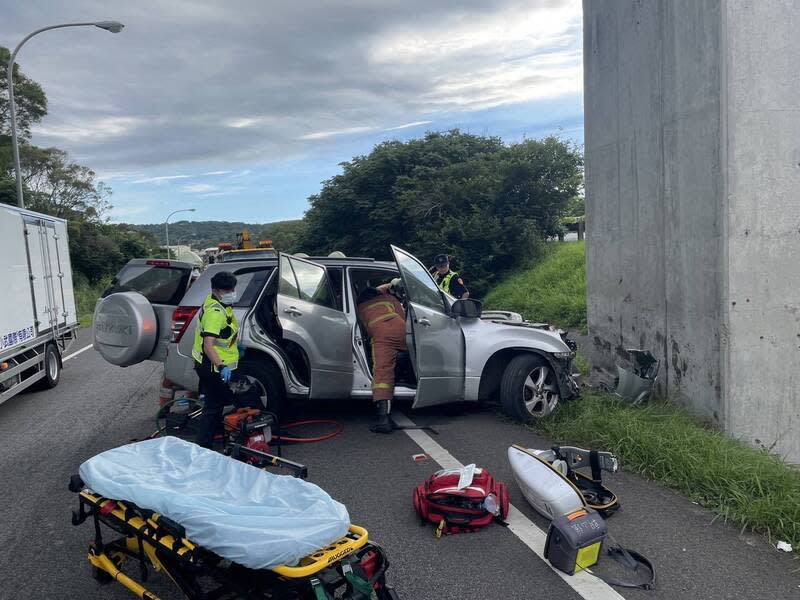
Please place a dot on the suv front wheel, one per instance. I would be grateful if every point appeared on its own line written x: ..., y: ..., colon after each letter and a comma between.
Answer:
x: 270, y: 382
x: 529, y: 388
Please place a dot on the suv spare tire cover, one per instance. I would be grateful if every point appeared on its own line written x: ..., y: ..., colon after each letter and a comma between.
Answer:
x: 125, y: 328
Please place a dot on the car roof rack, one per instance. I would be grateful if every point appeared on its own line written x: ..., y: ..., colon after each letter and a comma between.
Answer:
x: 340, y: 259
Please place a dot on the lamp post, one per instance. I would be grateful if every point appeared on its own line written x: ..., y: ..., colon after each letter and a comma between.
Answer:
x: 112, y: 26
x: 166, y: 224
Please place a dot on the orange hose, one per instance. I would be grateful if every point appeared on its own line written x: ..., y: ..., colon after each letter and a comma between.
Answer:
x: 308, y: 440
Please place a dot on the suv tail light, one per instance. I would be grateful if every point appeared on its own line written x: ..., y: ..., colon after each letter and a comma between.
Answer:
x: 181, y: 318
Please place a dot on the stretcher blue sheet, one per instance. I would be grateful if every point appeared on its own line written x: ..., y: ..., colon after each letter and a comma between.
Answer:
x: 247, y: 515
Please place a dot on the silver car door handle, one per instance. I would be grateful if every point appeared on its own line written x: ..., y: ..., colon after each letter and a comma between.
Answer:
x: 424, y: 322
x: 293, y: 311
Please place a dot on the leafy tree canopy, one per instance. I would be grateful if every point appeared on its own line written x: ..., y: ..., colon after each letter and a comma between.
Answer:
x: 484, y: 202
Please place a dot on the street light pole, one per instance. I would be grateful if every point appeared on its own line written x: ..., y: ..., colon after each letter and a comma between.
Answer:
x: 112, y: 26
x: 166, y: 224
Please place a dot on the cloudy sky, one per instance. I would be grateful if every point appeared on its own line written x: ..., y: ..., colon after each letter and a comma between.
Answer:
x: 240, y: 108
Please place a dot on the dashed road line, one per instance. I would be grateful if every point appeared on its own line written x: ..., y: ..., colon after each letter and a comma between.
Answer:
x: 74, y: 354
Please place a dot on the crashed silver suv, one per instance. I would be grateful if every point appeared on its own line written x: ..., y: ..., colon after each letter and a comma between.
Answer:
x: 303, y: 340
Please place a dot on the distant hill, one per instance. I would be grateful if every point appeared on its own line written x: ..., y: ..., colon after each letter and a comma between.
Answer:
x: 204, y: 234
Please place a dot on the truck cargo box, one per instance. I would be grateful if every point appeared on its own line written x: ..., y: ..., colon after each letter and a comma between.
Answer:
x: 38, y: 298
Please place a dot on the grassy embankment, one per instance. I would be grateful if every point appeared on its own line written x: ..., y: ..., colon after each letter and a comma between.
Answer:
x: 86, y: 295
x: 550, y: 291
x: 662, y: 441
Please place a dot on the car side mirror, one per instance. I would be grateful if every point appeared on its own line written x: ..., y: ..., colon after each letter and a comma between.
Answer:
x: 467, y: 309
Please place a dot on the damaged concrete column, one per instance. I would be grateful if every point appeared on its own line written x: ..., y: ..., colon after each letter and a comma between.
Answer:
x: 692, y: 113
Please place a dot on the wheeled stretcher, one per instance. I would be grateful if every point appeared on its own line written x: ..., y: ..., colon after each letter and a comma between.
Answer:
x: 350, y: 568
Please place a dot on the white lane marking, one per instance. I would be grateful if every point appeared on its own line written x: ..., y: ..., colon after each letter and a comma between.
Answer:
x: 586, y: 585
x: 74, y: 354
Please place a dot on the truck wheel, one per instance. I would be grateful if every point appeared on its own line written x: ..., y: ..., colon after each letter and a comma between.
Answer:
x: 52, y: 367
x: 529, y: 389
x: 270, y: 381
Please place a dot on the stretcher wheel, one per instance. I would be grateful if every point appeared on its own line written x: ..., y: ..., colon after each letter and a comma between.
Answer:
x: 101, y: 576
x: 388, y: 593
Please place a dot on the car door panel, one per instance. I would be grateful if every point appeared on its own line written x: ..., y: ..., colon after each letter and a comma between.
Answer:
x: 435, y: 336
x: 308, y: 317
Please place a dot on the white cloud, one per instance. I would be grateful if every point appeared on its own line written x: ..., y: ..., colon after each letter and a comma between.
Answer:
x: 199, y: 188
x: 93, y: 129
x: 243, y: 122
x: 408, y: 125
x: 321, y: 135
x: 161, y: 179
x: 524, y: 53
x: 218, y: 173
x: 111, y: 175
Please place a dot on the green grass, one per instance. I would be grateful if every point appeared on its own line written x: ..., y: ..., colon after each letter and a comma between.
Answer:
x: 551, y: 291
x: 86, y: 295
x: 740, y: 484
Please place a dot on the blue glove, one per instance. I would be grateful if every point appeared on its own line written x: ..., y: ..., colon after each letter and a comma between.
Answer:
x: 225, y: 373
x: 240, y: 347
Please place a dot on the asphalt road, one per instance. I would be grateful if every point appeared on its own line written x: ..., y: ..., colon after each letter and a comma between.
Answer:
x: 44, y: 436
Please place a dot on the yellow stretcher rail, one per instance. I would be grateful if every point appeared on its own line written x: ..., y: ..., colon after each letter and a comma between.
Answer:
x: 182, y: 547
x: 104, y: 563
x: 356, y: 538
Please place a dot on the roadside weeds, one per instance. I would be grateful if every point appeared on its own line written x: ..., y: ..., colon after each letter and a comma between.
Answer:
x: 662, y: 441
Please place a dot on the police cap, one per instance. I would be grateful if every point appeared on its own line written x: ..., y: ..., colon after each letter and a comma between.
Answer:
x: 441, y: 260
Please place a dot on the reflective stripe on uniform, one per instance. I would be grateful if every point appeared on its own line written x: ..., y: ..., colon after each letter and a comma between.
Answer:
x: 376, y: 306
x: 385, y: 317
x: 381, y: 386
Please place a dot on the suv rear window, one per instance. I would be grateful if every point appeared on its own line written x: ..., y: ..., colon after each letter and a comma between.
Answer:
x: 249, y: 281
x: 159, y: 284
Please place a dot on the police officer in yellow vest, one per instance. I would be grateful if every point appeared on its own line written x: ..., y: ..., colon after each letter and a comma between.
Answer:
x: 447, y: 280
x: 216, y: 353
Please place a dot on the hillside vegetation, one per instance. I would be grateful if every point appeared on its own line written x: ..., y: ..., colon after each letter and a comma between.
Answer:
x: 205, y: 234
x: 552, y: 290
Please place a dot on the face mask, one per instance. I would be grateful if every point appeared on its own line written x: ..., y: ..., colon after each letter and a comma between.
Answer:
x: 229, y: 298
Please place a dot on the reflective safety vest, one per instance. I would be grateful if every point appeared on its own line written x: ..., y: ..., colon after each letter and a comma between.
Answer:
x: 217, y: 319
x: 444, y: 282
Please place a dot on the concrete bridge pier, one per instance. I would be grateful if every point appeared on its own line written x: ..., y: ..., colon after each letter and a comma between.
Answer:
x: 692, y: 113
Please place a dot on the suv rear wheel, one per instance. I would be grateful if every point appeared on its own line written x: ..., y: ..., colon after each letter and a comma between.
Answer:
x: 269, y: 380
x: 529, y: 388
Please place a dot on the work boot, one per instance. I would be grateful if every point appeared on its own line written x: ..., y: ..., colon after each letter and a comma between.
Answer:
x: 383, y: 423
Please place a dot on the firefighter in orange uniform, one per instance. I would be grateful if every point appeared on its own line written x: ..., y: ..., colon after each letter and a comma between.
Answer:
x: 384, y: 318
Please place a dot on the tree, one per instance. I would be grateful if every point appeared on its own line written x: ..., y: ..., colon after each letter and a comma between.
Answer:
x: 57, y: 186
x: 29, y: 99
x: 485, y: 203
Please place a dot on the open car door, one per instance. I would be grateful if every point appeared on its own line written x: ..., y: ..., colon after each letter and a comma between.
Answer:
x: 436, y: 342
x: 309, y: 317
x: 133, y: 319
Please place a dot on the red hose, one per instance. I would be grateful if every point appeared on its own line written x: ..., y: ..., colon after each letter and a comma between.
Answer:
x: 308, y: 440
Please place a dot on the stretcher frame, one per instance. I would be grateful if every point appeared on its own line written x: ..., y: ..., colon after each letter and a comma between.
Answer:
x: 156, y: 542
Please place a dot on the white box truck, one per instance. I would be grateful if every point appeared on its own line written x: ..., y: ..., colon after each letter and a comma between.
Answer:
x: 38, y: 319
